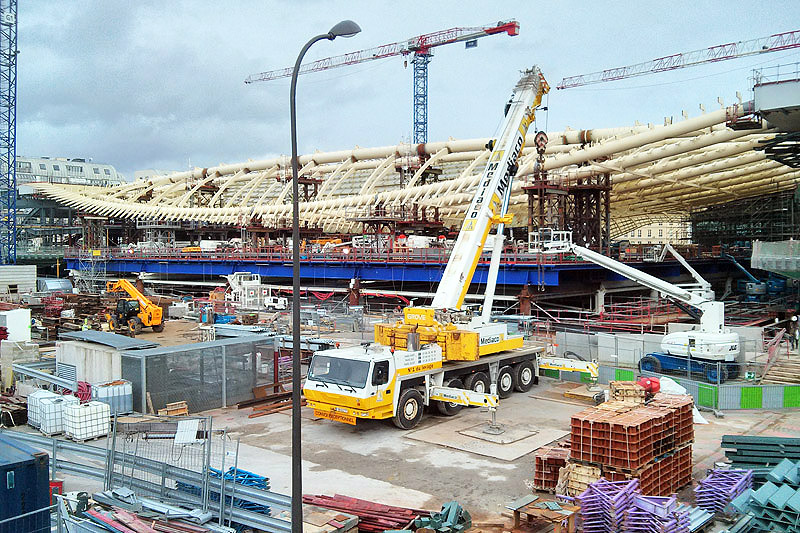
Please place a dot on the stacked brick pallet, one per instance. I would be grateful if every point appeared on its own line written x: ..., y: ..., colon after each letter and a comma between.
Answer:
x: 649, y: 442
x: 547, y: 463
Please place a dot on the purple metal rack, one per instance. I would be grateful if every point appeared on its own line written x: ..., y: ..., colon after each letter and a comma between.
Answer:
x: 720, y: 487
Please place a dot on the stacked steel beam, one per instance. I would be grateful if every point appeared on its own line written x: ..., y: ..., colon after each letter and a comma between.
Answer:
x: 547, y: 463
x: 372, y: 516
x: 604, y: 505
x: 760, y: 454
x: 651, y: 442
x: 721, y: 487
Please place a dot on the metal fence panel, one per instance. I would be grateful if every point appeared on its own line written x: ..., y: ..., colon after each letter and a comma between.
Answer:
x: 606, y: 374
x: 773, y: 396
x: 730, y: 397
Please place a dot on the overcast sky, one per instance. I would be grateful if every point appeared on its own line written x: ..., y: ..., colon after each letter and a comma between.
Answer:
x: 154, y: 84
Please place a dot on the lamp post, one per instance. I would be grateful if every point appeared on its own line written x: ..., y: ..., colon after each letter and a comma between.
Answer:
x: 346, y: 28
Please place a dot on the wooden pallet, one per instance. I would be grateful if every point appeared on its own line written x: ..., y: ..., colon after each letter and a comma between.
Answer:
x: 175, y: 409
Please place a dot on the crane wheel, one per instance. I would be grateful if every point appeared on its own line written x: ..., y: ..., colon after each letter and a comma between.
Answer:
x: 525, y: 376
x: 449, y: 408
x: 114, y: 323
x: 158, y: 328
x: 409, y: 409
x: 135, y: 325
x: 733, y: 371
x: 478, y: 382
x: 506, y: 382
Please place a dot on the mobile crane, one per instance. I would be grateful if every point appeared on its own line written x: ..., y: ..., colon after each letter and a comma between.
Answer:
x: 135, y: 312
x: 709, y: 349
x: 441, y: 355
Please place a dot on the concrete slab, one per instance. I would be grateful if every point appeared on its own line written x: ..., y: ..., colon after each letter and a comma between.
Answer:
x: 504, y: 435
x: 467, y: 436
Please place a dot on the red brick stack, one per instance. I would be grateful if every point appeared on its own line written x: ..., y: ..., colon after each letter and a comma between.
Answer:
x: 651, y: 442
x: 547, y: 462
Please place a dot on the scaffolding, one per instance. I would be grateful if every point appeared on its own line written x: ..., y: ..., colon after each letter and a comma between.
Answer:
x: 772, y: 217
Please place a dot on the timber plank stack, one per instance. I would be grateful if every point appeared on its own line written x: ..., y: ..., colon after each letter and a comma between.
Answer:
x: 372, y: 516
x: 622, y: 441
x: 783, y: 372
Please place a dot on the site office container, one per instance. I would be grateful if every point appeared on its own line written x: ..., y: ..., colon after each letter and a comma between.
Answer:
x: 24, y: 488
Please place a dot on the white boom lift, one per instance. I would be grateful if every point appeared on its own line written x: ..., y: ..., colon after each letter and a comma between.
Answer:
x: 711, y: 341
x: 440, y: 354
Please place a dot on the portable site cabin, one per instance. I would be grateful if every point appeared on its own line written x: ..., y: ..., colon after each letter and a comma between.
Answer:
x: 24, y: 487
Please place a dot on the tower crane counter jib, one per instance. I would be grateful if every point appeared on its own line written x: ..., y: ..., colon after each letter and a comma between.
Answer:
x: 441, y: 355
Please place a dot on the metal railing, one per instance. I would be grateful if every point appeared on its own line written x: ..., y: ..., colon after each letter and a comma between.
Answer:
x: 37, y: 521
x: 512, y: 255
x: 92, y: 455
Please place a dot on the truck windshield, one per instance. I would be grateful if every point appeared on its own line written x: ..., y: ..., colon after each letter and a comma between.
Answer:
x: 339, y: 371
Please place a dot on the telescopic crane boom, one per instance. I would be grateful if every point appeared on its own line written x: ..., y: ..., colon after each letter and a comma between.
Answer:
x: 711, y: 341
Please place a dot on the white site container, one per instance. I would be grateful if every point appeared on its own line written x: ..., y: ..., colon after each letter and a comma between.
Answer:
x: 117, y: 394
x: 34, y: 405
x: 87, y: 421
x: 51, y: 414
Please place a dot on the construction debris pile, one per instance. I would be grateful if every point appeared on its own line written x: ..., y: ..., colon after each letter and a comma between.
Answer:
x: 620, y: 440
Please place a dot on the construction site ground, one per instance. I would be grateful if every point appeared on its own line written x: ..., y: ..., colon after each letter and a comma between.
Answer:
x: 431, y: 464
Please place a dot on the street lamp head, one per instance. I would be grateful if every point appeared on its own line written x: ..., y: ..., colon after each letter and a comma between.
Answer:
x: 346, y: 28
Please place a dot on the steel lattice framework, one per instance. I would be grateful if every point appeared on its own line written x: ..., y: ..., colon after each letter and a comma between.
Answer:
x: 8, y: 131
x: 712, y: 54
x: 657, y: 173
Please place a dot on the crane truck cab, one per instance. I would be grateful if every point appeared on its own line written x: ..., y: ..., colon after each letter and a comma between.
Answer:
x: 375, y: 381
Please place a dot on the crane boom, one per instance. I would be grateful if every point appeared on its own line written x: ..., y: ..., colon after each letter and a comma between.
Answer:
x: 713, y: 54
x: 490, y: 204
x: 414, y: 45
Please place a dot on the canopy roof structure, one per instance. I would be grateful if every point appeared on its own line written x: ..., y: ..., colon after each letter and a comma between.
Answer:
x: 657, y: 173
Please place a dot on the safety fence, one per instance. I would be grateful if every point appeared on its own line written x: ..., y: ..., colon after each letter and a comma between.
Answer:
x: 725, y: 396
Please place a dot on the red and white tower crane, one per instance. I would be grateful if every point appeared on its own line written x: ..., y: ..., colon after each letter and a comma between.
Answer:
x: 421, y: 47
x: 722, y: 52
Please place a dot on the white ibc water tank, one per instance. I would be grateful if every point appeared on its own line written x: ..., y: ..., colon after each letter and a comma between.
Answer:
x: 117, y: 394
x: 34, y: 405
x: 51, y: 413
x: 87, y: 421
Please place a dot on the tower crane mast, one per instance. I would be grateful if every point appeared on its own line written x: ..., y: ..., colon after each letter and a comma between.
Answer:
x: 420, y: 47
x: 713, y: 54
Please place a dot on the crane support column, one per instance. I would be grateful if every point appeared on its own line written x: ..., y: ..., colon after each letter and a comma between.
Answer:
x: 421, y: 60
x: 8, y: 131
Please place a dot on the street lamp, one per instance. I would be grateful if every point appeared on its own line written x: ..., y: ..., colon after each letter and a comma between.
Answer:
x: 346, y: 28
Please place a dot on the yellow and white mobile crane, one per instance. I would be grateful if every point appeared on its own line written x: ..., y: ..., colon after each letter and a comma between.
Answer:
x: 442, y: 355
